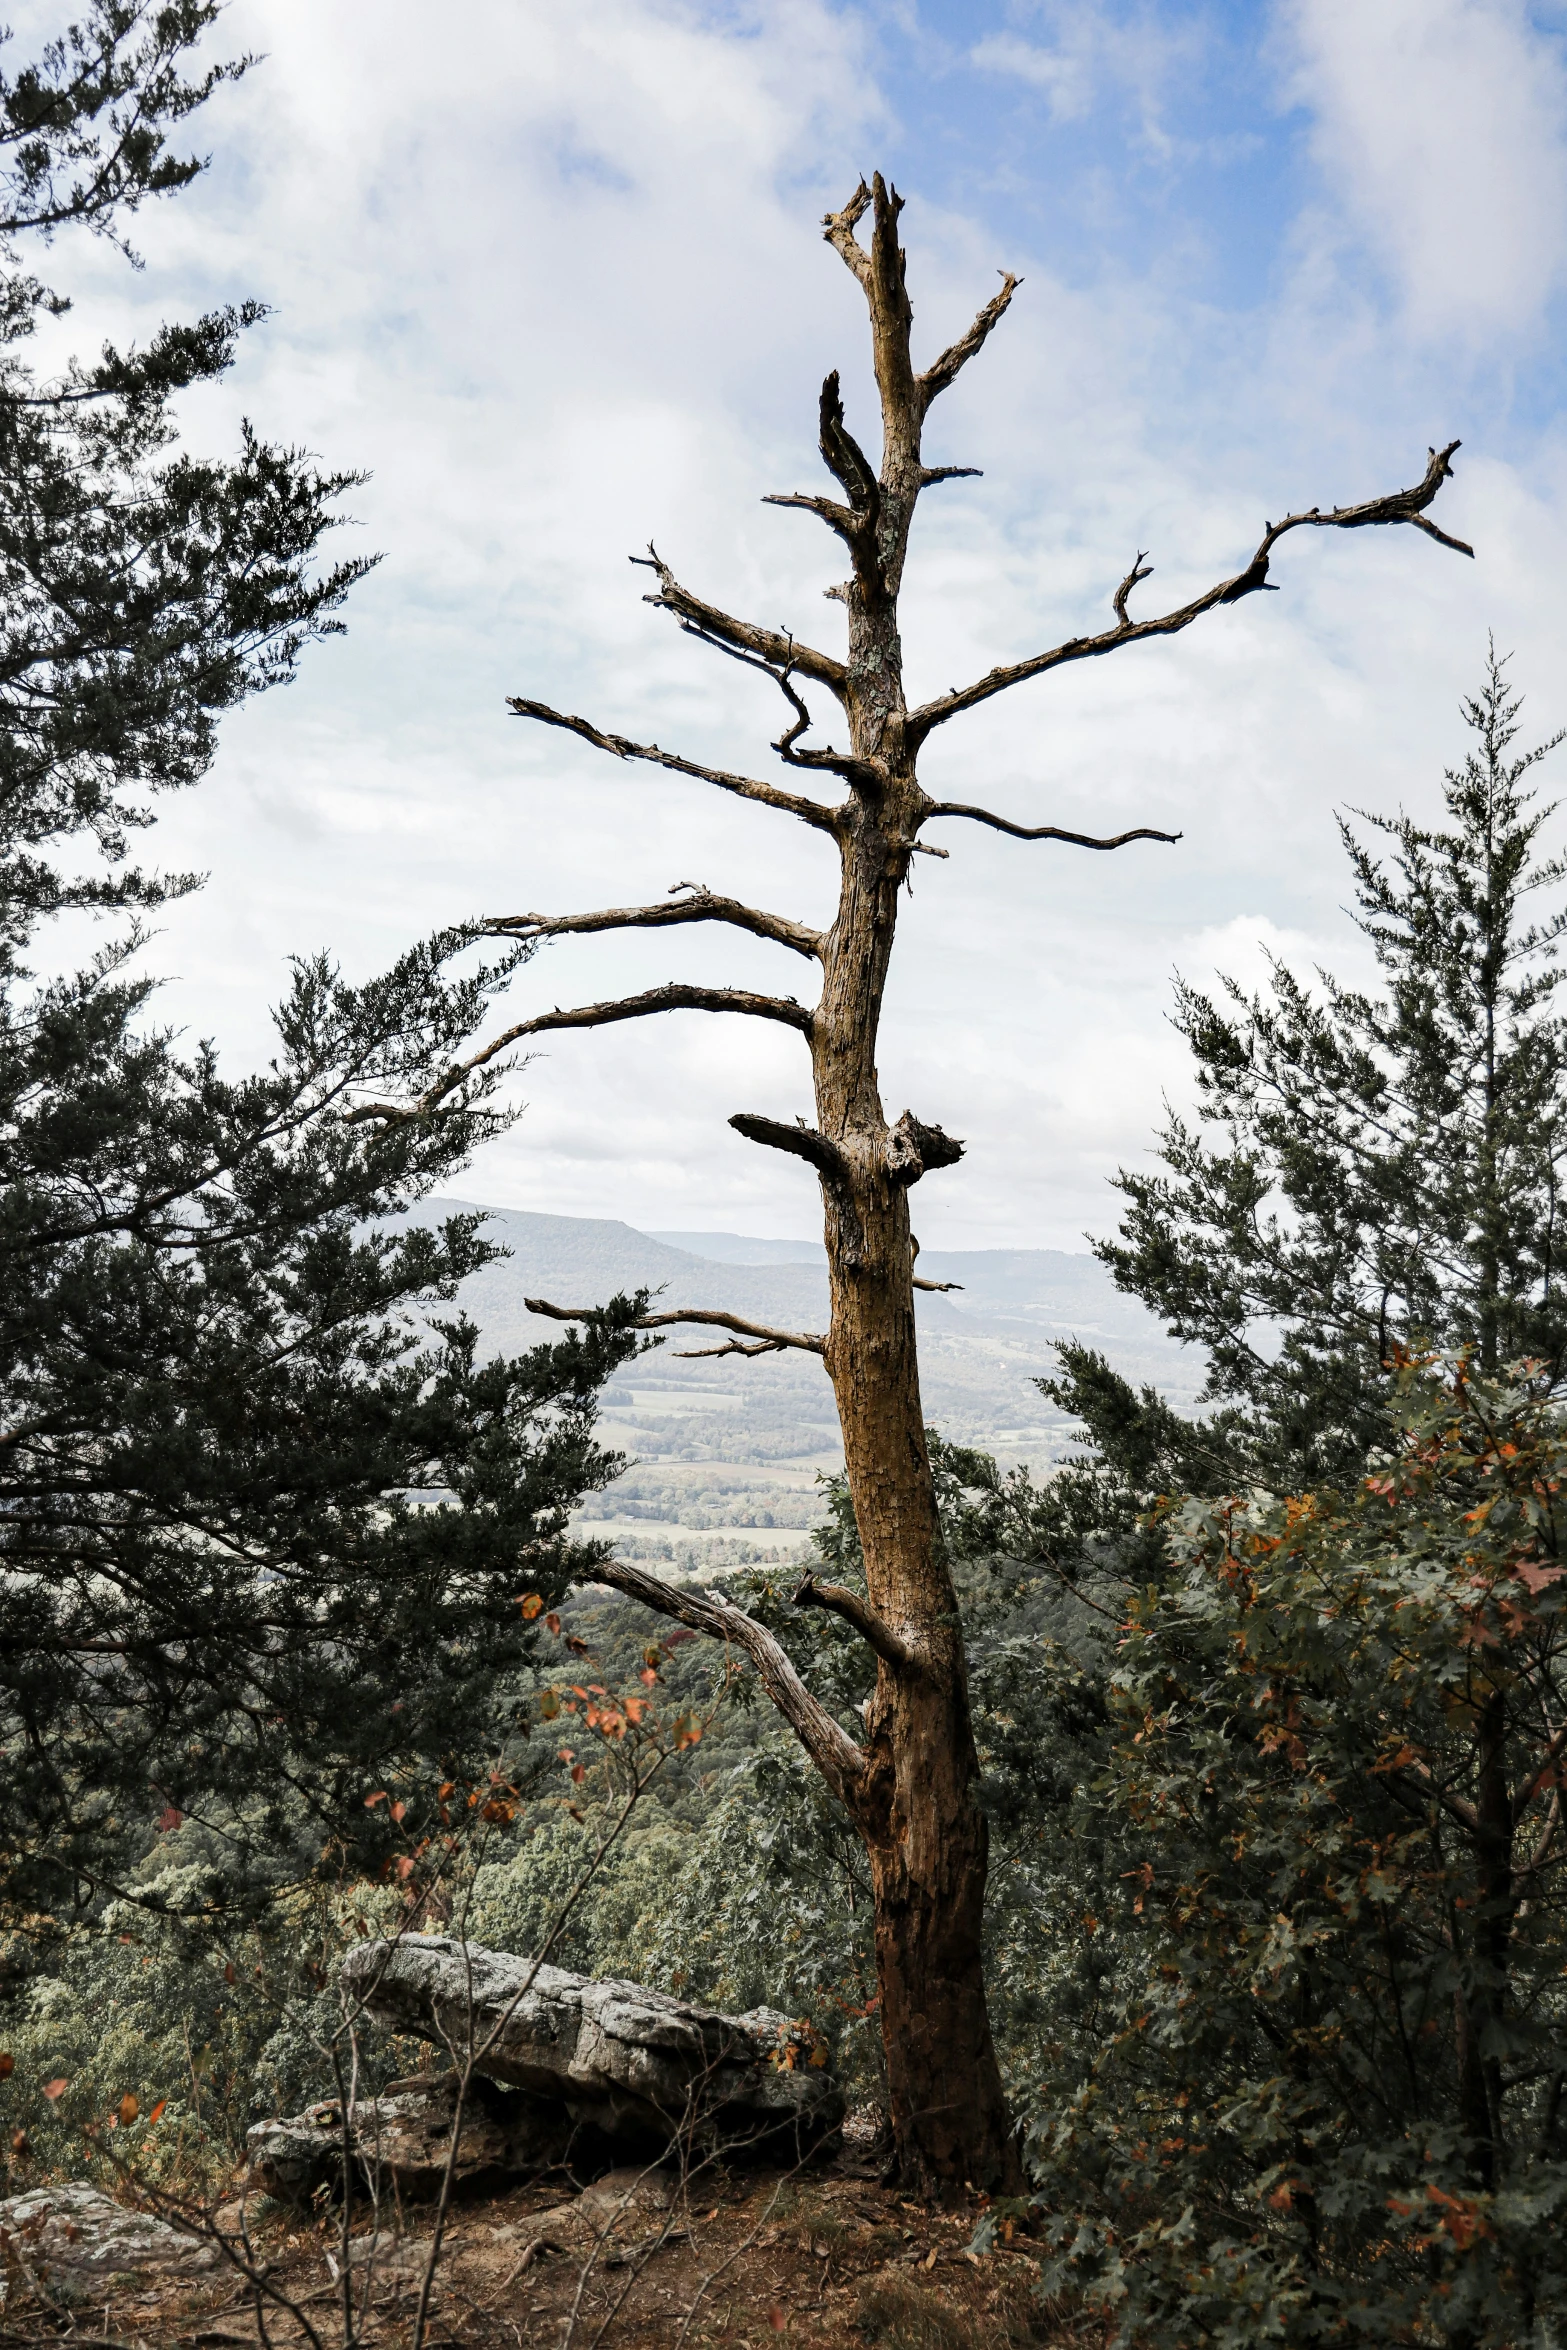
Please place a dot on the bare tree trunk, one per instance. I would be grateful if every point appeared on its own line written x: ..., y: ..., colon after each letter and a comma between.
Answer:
x: 912, y: 1786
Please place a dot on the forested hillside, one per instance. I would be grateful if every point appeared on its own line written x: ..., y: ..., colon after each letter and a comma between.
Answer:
x: 729, y: 1455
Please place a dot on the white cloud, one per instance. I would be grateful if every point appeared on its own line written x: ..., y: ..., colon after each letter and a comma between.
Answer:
x: 1064, y: 74
x: 1088, y: 56
x: 560, y: 284
x: 1441, y: 133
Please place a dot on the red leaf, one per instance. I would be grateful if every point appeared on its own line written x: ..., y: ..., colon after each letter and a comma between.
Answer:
x: 776, y: 2319
x: 169, y: 1820
x: 130, y: 2107
x: 531, y: 1605
x: 552, y: 1623
x: 7, y: 2064
x: 156, y: 2112
x: 1537, y: 1577
x: 54, y: 2089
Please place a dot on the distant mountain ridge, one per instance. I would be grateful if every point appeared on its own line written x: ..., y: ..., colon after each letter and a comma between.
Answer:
x: 725, y: 1457
x: 1020, y: 1298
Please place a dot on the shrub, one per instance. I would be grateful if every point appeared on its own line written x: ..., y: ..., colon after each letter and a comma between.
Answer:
x: 1331, y: 2107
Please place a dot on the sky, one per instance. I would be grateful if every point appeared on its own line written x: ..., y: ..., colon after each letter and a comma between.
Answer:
x: 551, y: 272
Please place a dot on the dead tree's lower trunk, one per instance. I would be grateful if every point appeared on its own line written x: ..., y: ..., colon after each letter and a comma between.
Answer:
x: 912, y: 1785
x: 917, y: 1800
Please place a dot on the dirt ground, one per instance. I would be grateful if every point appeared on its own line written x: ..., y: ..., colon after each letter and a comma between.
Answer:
x: 822, y: 2256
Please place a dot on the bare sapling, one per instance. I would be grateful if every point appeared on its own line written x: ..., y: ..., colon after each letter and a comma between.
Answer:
x: 910, y: 1779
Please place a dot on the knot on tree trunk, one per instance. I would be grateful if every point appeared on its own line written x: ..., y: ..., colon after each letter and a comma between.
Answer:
x: 913, y: 1149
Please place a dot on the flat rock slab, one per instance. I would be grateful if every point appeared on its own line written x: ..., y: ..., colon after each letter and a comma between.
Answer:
x: 74, y: 2243
x: 635, y: 2063
x: 401, y: 2139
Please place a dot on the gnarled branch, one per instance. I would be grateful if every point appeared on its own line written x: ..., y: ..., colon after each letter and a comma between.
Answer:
x: 773, y: 644
x: 957, y: 356
x: 675, y: 997
x: 746, y: 787
x: 800, y: 1140
x: 842, y: 455
x: 860, y: 1614
x: 1399, y: 506
x: 1079, y: 840
x: 840, y: 1761
x: 702, y: 905
x: 839, y: 763
x: 773, y: 1341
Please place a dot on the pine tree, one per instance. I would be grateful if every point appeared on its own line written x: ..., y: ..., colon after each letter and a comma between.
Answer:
x: 1369, y: 1176
x: 263, y: 1510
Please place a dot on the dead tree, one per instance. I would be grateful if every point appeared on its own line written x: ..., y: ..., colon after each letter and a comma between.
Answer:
x: 910, y: 1779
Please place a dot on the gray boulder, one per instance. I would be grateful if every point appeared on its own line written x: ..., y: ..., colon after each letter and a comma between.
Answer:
x: 73, y: 2243
x: 400, y: 2139
x: 633, y: 2063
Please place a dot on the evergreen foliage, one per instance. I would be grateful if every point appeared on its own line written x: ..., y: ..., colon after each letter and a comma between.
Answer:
x: 1370, y: 1175
x: 142, y: 591
x: 262, y: 1515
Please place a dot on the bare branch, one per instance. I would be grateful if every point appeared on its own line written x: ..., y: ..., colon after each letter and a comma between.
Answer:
x: 841, y: 763
x: 1141, y: 569
x: 921, y: 1283
x: 957, y: 355
x: 802, y: 1141
x: 838, y: 228
x: 829, y: 1745
x: 858, y: 1612
x: 842, y: 455
x: 675, y: 997
x: 700, y: 906
x: 837, y: 516
x: 1399, y: 506
x: 702, y: 1354
x: 772, y: 644
x: 1079, y: 840
x: 746, y: 787
x: 772, y: 1340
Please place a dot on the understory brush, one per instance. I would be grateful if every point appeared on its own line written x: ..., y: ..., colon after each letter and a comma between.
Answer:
x: 1326, y: 2105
